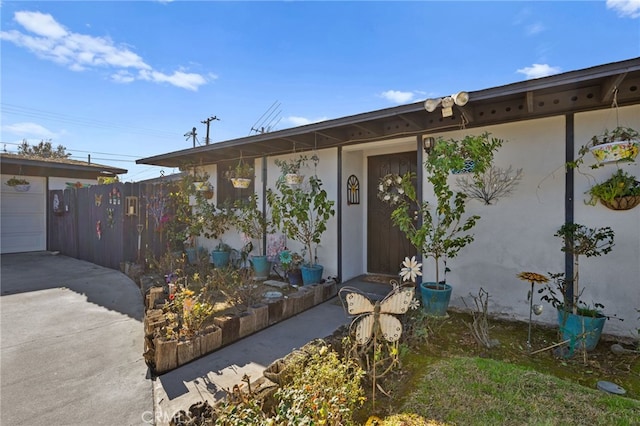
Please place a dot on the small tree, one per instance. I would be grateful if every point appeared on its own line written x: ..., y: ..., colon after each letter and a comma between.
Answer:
x: 302, y: 211
x: 582, y: 241
x: 251, y: 221
x: 43, y: 150
x: 443, y: 232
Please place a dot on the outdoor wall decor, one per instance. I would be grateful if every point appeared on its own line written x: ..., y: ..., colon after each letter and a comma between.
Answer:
x: 110, y: 220
x: 98, y: 200
x: 57, y: 205
x: 353, y: 190
x: 132, y: 205
x: 492, y: 185
x: 99, y: 229
x: 114, y: 196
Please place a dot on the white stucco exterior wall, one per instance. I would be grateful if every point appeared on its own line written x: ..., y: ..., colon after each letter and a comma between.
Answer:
x: 515, y: 234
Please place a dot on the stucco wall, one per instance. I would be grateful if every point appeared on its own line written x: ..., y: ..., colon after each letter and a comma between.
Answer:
x: 513, y: 235
x: 516, y: 234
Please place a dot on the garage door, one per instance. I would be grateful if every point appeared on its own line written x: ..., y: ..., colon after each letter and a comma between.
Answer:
x: 23, y: 216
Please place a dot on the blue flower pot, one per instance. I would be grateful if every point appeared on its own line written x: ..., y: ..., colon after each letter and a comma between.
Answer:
x: 311, y: 274
x: 192, y: 255
x: 295, y: 277
x: 261, y: 267
x: 220, y: 259
x: 583, y: 332
x: 435, y: 298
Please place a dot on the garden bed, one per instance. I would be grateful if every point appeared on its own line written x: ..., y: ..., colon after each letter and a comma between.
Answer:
x: 226, y: 326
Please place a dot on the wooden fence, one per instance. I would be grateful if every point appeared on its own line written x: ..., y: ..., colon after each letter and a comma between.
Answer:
x: 101, y: 223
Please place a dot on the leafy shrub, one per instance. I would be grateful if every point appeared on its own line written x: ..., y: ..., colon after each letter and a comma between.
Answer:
x: 326, y: 390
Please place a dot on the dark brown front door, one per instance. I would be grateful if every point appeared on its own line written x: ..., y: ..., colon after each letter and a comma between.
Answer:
x: 386, y: 245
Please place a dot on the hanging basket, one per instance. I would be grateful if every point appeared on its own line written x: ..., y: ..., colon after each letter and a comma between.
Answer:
x: 616, y: 151
x: 293, y: 179
x: 201, y: 186
x: 622, y: 203
x: 22, y: 188
x: 242, y: 183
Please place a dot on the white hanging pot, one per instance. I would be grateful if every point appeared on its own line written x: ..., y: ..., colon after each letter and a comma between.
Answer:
x: 616, y: 151
x: 293, y: 179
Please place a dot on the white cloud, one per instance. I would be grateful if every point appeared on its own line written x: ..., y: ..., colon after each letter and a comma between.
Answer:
x: 625, y: 8
x: 189, y: 81
x: 41, y: 24
x: 397, y: 96
x: 538, y: 70
x: 534, y: 29
x: 79, y: 52
x: 301, y: 121
x: 27, y: 129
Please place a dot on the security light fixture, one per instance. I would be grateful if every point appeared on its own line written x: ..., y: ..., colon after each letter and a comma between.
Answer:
x: 460, y: 99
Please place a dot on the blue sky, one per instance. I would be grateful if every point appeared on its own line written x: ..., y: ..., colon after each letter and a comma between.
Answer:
x: 124, y: 80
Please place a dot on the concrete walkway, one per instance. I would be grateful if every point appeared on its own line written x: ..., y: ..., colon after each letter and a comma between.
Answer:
x: 71, y: 344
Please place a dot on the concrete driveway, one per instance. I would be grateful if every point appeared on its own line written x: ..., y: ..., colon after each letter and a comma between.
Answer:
x: 71, y: 344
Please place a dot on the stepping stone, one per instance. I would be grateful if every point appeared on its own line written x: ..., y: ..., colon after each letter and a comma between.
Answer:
x: 277, y: 284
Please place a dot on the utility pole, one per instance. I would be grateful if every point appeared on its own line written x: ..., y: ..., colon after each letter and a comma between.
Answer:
x: 207, y: 121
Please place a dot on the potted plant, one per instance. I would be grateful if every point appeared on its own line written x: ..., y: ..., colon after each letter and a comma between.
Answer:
x: 620, y: 192
x: 303, y: 212
x: 220, y: 254
x: 291, y: 262
x: 255, y: 225
x: 19, y: 184
x: 580, y: 324
x: 240, y: 175
x: 619, y: 144
x: 290, y: 169
x: 442, y: 230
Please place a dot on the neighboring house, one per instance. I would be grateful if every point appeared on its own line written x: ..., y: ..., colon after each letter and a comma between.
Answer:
x: 543, y: 121
x: 23, y: 214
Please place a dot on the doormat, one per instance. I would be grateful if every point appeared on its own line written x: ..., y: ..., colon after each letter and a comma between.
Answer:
x: 382, y: 279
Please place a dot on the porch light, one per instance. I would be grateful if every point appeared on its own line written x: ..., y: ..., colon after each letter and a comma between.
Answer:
x: 460, y: 99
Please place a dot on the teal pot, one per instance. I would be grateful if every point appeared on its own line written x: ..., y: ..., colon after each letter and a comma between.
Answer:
x: 435, y: 298
x: 295, y: 277
x: 192, y: 255
x: 581, y: 331
x: 261, y: 267
x: 220, y: 259
x: 311, y: 274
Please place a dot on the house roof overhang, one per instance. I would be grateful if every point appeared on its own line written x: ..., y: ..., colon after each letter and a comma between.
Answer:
x: 576, y: 91
x: 14, y: 164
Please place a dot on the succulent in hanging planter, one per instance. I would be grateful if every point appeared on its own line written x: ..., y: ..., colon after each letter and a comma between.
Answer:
x: 240, y: 175
x: 620, y: 192
x: 619, y: 144
x: 290, y: 169
x: 19, y: 184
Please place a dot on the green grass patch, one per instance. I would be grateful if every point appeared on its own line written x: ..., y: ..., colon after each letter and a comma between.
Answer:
x: 478, y: 391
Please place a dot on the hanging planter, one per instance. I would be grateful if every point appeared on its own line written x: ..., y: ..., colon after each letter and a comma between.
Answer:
x: 19, y: 185
x: 616, y: 151
x: 201, y: 186
x: 622, y: 203
x: 240, y: 175
x: 293, y: 179
x: 620, y: 192
x: 242, y: 183
x: 619, y: 144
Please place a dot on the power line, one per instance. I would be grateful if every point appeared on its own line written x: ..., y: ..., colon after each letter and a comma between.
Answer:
x: 81, y: 121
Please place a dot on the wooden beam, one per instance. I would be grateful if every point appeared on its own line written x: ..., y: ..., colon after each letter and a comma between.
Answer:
x: 610, y: 86
x: 529, y: 101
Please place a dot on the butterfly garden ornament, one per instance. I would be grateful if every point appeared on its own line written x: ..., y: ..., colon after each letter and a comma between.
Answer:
x: 377, y: 318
